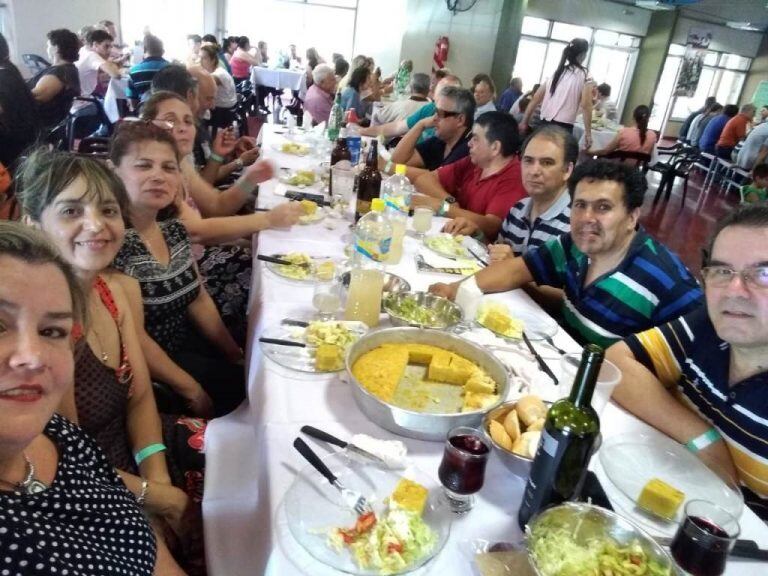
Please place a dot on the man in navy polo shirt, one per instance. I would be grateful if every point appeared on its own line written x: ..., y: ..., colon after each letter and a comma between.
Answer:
x: 452, y: 123
x: 616, y: 279
x: 702, y: 379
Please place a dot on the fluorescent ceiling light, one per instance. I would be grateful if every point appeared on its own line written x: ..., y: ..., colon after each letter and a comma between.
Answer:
x: 744, y: 26
x: 654, y: 5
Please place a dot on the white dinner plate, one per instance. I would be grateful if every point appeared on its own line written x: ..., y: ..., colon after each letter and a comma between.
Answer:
x: 285, y: 273
x: 300, y: 359
x: 463, y: 251
x: 631, y: 460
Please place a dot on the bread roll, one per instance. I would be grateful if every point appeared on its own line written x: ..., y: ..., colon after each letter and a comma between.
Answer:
x: 527, y: 444
x: 500, y: 435
x: 538, y: 425
x: 512, y: 425
x: 530, y: 409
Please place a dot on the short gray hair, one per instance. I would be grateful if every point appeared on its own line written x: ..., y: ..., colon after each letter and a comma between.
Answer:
x: 321, y: 72
x: 420, y: 83
x: 748, y: 109
x: 463, y: 102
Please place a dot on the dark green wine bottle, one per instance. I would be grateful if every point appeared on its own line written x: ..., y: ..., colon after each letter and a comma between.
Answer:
x: 567, y: 443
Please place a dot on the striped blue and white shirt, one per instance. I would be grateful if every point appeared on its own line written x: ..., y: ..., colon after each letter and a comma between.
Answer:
x: 520, y: 233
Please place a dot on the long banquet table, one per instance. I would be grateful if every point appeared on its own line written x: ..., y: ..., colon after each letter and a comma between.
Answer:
x: 250, y: 459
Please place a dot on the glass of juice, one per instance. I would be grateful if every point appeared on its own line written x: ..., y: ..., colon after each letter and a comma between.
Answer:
x: 422, y: 220
x: 704, y: 539
x: 326, y: 298
x: 462, y: 470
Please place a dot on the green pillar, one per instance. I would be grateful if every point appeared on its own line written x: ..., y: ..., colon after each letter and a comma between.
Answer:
x: 650, y: 62
x: 507, y: 39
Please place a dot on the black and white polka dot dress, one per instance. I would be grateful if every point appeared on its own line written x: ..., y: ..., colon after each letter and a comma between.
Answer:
x: 85, y: 523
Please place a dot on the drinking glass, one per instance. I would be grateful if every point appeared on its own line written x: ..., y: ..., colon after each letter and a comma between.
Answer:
x: 343, y: 189
x: 422, y: 221
x: 607, y: 379
x: 326, y: 298
x: 704, y: 539
x: 462, y: 470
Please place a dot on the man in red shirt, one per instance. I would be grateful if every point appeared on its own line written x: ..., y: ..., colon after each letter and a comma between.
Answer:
x: 482, y: 186
x: 734, y: 130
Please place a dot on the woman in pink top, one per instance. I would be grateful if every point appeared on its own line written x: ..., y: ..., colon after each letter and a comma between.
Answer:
x: 242, y: 60
x: 632, y: 138
x: 568, y: 89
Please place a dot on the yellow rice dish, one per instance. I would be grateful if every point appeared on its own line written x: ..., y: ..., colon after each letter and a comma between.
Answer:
x: 381, y: 370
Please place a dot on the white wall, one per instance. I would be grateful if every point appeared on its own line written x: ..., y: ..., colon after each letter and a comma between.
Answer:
x: 472, y: 36
x: 379, y: 32
x: 723, y: 39
x: 32, y: 19
x: 593, y: 13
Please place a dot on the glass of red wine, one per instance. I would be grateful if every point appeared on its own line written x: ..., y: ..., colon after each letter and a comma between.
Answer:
x: 462, y: 469
x: 704, y: 539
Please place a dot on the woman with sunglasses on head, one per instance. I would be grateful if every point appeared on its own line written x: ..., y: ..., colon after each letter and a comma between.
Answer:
x: 80, y: 205
x: 225, y: 266
x: 60, y: 498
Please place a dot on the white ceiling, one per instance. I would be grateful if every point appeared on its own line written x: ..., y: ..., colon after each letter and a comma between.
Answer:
x: 720, y: 11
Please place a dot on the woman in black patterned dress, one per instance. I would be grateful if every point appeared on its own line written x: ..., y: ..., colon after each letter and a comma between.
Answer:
x: 64, y: 510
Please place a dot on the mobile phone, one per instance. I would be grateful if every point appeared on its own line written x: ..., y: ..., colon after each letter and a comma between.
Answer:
x: 298, y: 195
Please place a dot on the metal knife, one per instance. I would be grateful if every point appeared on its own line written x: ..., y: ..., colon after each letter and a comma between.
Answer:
x: 277, y: 260
x: 325, y: 437
x: 742, y: 549
x: 281, y: 342
x: 298, y: 323
x: 482, y: 262
x: 543, y: 365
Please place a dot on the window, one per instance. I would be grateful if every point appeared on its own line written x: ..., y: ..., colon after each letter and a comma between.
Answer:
x: 722, y: 76
x: 611, y: 58
x: 305, y: 23
x: 171, y: 21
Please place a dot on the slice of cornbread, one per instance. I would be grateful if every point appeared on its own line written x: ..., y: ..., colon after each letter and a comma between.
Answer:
x: 309, y: 207
x: 479, y: 381
x: 476, y: 401
x: 410, y: 495
x: 421, y: 353
x: 461, y: 369
x: 380, y: 370
x: 440, y: 367
x: 327, y: 357
x: 497, y: 321
x: 660, y: 498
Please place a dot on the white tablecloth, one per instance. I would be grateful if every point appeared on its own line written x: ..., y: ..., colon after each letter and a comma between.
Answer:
x: 600, y: 137
x: 276, y: 77
x: 251, y: 462
x: 115, y: 91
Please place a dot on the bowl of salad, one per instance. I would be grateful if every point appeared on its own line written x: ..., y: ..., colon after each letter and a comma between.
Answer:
x: 422, y: 310
x: 409, y: 525
x: 574, y: 539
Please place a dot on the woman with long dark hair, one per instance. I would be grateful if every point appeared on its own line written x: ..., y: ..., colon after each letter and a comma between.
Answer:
x: 565, y: 92
x: 19, y: 125
x: 635, y: 138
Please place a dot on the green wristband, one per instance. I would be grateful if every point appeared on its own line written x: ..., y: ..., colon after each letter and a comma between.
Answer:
x: 700, y: 442
x: 216, y: 158
x: 147, y: 451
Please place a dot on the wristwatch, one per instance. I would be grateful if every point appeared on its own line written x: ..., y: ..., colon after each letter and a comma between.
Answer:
x: 445, y: 207
x: 238, y: 164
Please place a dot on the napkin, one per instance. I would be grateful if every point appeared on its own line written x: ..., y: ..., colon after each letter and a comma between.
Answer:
x: 393, y: 452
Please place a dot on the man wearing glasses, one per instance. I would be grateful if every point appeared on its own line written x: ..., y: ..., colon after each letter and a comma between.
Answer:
x: 702, y: 379
x: 452, y: 122
x: 481, y: 187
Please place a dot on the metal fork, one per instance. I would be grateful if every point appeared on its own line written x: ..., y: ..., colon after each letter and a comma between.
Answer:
x: 353, y: 499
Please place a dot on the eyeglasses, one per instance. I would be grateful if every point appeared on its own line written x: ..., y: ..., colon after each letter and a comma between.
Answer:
x: 722, y: 276
x: 442, y: 114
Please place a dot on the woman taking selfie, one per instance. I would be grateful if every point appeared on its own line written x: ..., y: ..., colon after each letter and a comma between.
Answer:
x: 55, y: 483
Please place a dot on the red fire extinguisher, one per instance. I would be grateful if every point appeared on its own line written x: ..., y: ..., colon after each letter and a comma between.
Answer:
x: 440, y: 55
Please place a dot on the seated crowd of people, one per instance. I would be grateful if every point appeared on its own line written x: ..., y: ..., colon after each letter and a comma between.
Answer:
x: 125, y: 283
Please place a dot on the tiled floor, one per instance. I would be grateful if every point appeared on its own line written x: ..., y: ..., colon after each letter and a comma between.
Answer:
x: 685, y: 229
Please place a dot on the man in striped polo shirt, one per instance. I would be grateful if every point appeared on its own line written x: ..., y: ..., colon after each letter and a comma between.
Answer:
x: 140, y: 76
x: 615, y: 278
x: 702, y: 379
x: 547, y: 160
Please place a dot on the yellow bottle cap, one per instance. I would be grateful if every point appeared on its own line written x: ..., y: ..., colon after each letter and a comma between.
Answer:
x: 378, y: 205
x: 400, y: 169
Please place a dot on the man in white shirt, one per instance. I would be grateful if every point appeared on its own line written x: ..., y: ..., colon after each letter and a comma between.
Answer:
x: 755, y: 148
x: 484, y: 91
x: 94, y: 58
x: 401, y: 109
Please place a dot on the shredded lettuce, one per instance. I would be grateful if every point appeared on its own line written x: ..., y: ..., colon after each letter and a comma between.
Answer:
x: 557, y: 554
x: 398, y: 540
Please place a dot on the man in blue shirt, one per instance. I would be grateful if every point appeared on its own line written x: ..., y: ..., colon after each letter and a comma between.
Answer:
x: 510, y: 95
x: 712, y: 132
x: 140, y: 76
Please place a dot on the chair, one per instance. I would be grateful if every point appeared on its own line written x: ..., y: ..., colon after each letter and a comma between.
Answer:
x: 84, y: 118
x: 95, y: 146
x: 737, y: 177
x: 640, y: 159
x: 679, y: 167
x: 34, y: 63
